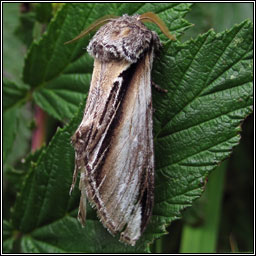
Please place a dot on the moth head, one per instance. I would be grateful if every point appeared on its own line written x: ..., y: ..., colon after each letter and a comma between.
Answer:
x: 146, y: 17
x: 124, y: 38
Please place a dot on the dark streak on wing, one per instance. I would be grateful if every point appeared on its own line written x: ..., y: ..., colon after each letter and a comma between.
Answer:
x: 109, y: 116
x: 127, y: 76
x: 97, y: 138
x: 148, y: 189
x: 112, y: 95
x: 147, y: 198
x: 146, y: 175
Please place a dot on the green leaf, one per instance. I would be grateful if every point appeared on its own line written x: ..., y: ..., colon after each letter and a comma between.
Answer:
x: 61, y: 73
x: 15, y: 176
x: 225, y: 15
x: 8, y: 238
x: 13, y: 49
x: 13, y: 94
x: 217, y: 16
x: 43, y: 12
x: 13, y: 97
x: 197, y: 122
x: 10, y: 124
x: 202, y: 238
x: 23, y: 133
x: 66, y: 235
x: 61, y: 96
x: 25, y: 29
x: 47, y: 180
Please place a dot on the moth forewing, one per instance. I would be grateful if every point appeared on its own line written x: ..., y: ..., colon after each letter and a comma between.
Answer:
x: 137, y: 151
x: 114, y: 142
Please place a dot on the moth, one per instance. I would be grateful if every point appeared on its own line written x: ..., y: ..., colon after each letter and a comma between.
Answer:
x: 114, y: 142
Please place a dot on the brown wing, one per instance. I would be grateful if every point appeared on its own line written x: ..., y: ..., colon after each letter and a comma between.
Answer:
x: 114, y: 146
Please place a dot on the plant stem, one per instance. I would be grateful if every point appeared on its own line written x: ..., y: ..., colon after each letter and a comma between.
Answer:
x: 203, y: 239
x: 38, y: 137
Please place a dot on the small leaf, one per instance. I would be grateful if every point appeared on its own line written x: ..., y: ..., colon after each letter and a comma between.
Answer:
x: 13, y: 94
x: 25, y: 29
x: 15, y: 176
x: 10, y: 123
x: 61, y: 96
x: 13, y: 97
x: 8, y: 238
x: 13, y: 49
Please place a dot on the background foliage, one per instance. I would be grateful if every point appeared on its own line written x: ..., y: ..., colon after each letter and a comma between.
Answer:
x: 196, y: 126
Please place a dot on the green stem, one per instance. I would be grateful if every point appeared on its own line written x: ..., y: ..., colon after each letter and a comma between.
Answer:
x: 159, y: 245
x: 203, y: 239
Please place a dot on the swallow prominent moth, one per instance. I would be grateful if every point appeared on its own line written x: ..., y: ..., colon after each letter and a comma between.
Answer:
x: 114, y: 142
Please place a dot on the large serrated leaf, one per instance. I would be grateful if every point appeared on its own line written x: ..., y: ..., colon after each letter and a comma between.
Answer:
x: 197, y: 123
x: 49, y: 60
x: 66, y: 235
x: 47, y: 182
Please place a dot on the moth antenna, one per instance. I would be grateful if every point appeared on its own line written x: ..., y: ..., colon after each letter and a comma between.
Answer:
x: 151, y: 17
x: 94, y: 25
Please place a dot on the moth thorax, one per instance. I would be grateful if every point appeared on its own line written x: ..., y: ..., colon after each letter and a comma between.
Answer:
x: 123, y: 38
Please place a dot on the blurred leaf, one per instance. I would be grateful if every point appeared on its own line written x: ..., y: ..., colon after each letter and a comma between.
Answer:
x: 21, y: 144
x: 16, y: 175
x: 43, y: 12
x: 10, y: 119
x: 218, y: 16
x: 8, y: 229
x: 56, y: 6
x: 13, y: 94
x: 13, y: 97
x: 13, y: 52
x: 8, y: 238
x: 203, y: 238
x: 25, y: 29
x: 223, y: 16
x: 195, y: 215
x: 237, y: 226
